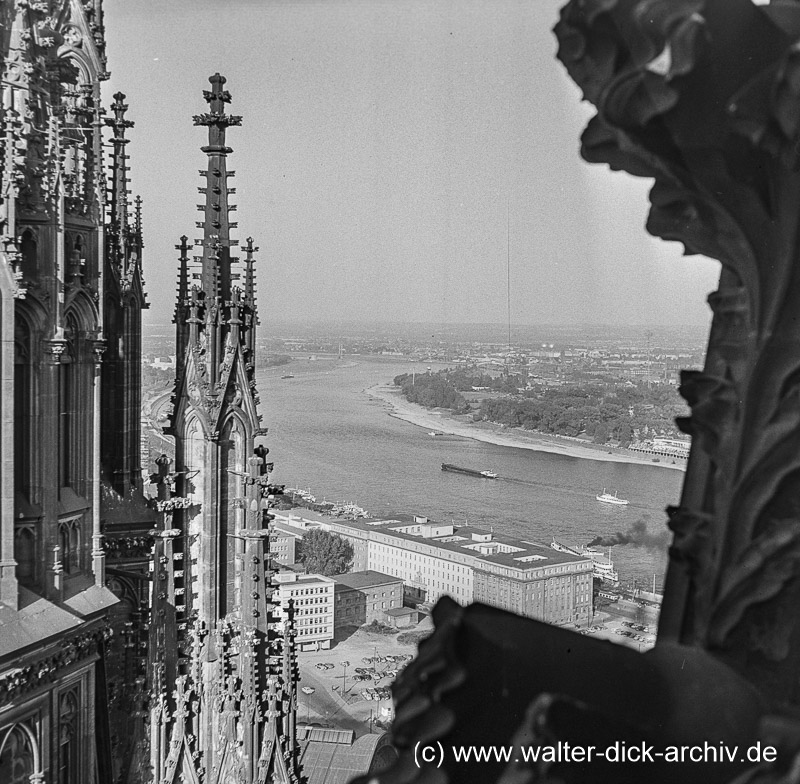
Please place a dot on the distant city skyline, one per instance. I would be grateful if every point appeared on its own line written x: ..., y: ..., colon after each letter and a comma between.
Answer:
x: 386, y: 147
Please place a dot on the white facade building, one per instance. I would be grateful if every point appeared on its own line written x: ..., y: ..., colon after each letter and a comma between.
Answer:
x: 313, y: 602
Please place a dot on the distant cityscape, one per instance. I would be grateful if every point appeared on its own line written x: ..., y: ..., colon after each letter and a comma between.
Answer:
x: 556, y: 354
x: 607, y: 360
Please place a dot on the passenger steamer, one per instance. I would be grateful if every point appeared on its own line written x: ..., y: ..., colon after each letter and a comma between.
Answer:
x: 603, y: 568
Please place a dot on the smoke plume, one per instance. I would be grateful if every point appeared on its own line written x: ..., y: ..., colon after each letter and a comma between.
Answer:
x: 637, y: 535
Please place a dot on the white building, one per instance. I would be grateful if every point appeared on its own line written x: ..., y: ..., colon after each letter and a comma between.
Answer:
x: 313, y: 597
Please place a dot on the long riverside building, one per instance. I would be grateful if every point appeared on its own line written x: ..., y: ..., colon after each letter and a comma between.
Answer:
x: 466, y: 563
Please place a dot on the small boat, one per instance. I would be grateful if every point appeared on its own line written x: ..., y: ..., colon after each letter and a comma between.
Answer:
x: 489, y: 474
x: 288, y: 375
x: 607, y: 498
x: 434, y: 433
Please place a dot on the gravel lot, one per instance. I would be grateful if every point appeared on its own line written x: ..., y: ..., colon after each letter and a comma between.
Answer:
x: 338, y: 699
x: 328, y: 704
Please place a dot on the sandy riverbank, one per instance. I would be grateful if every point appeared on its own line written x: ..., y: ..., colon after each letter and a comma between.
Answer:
x: 491, y: 433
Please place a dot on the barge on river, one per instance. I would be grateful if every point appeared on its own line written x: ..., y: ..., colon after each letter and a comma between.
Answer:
x: 469, y: 471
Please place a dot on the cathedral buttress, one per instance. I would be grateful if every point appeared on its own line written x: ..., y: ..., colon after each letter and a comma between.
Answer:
x: 123, y: 302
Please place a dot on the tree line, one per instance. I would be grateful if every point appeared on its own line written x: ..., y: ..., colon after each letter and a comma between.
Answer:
x: 432, y: 390
x: 604, y: 412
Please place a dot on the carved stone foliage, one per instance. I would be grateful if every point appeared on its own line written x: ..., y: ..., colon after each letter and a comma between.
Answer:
x: 703, y: 96
x: 25, y: 680
x: 122, y: 547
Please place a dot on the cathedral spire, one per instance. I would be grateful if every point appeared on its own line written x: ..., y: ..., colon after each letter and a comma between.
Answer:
x: 216, y: 275
x: 216, y: 634
x: 250, y: 295
x: 216, y: 241
x: 118, y: 229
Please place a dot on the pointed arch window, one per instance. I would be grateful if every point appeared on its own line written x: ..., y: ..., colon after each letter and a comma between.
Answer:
x: 69, y: 539
x: 23, y: 406
x: 29, y: 250
x: 195, y: 459
x: 68, y: 394
x: 232, y: 463
x: 65, y: 424
x: 69, y: 761
x: 17, y: 758
x: 25, y: 541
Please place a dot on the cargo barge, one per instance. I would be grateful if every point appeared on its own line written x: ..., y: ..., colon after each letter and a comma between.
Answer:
x: 469, y: 471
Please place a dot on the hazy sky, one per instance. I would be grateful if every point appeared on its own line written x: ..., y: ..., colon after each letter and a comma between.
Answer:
x: 383, y: 142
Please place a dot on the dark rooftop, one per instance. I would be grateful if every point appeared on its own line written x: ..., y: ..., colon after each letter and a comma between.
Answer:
x: 33, y: 623
x: 366, y: 579
x: 396, y: 612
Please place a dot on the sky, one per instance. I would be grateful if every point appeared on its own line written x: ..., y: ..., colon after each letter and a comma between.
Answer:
x: 397, y: 159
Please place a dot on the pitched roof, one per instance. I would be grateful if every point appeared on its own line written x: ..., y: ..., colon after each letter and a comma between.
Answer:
x: 338, y: 763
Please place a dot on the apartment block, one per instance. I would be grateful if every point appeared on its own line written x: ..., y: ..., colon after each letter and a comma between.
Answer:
x: 470, y: 564
x: 364, y: 597
x: 313, y: 597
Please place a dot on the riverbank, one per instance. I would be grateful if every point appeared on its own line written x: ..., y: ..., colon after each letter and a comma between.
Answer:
x: 491, y: 433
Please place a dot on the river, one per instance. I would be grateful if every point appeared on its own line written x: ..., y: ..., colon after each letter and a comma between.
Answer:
x: 326, y: 433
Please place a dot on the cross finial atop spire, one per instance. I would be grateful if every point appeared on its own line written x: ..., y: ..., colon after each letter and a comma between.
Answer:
x: 216, y: 96
x: 119, y: 107
x: 216, y: 119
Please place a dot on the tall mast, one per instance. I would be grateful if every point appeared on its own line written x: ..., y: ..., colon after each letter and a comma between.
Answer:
x: 508, y: 277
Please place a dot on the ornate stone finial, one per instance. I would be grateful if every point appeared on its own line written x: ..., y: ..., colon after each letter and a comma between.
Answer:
x: 183, y: 273
x: 216, y: 96
x: 249, y: 272
x: 137, y: 221
x: 118, y: 226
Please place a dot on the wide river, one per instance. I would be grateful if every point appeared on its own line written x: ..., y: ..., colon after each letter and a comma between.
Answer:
x: 326, y: 433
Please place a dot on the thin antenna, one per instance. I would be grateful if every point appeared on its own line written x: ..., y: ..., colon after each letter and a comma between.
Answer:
x: 508, y: 269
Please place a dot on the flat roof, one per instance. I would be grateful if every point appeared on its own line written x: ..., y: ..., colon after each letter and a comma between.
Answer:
x: 365, y: 579
x: 548, y: 557
x: 301, y: 580
x: 398, y: 611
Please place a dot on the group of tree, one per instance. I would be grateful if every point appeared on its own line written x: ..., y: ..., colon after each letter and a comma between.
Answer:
x: 273, y: 360
x: 466, y: 380
x: 322, y: 552
x: 603, y: 414
x: 156, y: 378
x: 432, y: 390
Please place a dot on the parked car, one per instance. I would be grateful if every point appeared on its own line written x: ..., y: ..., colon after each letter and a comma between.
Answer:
x: 308, y: 689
